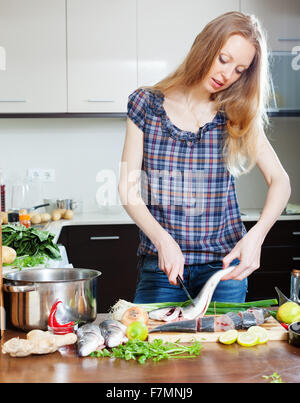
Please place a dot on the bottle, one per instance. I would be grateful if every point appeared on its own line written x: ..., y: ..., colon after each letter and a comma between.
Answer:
x: 2, y: 192
x: 295, y: 286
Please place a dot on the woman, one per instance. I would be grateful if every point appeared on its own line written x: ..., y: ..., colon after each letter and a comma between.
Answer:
x: 189, y: 136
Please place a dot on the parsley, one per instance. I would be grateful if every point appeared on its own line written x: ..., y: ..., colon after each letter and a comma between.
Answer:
x: 156, y: 351
x: 28, y: 261
x: 274, y: 378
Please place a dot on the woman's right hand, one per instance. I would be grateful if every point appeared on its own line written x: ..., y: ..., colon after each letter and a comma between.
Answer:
x: 170, y: 258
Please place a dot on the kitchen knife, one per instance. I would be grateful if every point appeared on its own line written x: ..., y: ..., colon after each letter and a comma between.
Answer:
x: 179, y: 279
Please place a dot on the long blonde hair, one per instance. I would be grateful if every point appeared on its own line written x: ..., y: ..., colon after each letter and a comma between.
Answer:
x: 244, y: 102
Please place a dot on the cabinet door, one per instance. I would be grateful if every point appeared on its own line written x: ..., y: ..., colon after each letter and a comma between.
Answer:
x: 111, y: 249
x: 102, y: 67
x: 166, y: 30
x: 281, y: 20
x: 33, y: 44
x: 280, y: 254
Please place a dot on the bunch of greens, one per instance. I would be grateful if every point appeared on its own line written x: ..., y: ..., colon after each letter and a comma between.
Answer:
x: 216, y: 308
x: 156, y: 350
x: 28, y: 261
x: 30, y: 241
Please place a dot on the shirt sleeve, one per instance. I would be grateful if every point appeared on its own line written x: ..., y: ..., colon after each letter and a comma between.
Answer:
x: 137, y: 107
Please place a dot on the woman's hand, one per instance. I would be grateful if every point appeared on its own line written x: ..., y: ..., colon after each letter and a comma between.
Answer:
x: 170, y: 258
x: 248, y: 251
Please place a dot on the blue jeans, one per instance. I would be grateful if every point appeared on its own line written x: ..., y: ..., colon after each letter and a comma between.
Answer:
x: 153, y: 284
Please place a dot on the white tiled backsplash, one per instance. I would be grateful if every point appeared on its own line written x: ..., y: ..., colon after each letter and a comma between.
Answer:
x: 79, y: 148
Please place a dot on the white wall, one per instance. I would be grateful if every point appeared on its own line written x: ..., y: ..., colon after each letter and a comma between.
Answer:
x: 284, y: 136
x: 78, y: 148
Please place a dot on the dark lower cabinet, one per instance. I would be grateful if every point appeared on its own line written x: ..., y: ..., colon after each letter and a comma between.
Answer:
x: 279, y: 256
x: 111, y: 249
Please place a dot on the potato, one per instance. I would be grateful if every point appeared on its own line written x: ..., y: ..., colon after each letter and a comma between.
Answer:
x: 68, y: 215
x: 55, y: 215
x: 61, y: 211
x: 45, y: 217
x: 36, y: 219
x: 8, y: 254
x: 4, y: 217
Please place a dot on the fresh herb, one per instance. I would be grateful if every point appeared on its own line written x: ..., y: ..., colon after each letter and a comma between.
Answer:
x: 30, y: 241
x: 156, y: 350
x: 274, y: 378
x: 28, y: 261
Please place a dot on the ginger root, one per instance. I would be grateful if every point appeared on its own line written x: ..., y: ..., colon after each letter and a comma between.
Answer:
x: 37, y: 342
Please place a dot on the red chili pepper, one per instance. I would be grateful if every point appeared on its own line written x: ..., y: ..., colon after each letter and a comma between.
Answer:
x: 52, y: 322
x: 286, y: 326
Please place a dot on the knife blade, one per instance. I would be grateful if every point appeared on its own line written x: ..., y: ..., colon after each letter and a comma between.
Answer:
x: 179, y: 279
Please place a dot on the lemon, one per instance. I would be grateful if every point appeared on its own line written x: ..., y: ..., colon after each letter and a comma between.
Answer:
x: 288, y: 312
x: 228, y: 337
x: 247, y: 339
x: 137, y: 331
x: 259, y: 331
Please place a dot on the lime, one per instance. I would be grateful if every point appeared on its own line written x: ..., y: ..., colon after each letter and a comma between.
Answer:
x: 247, y: 339
x: 137, y: 331
x: 228, y: 337
x: 260, y: 332
x: 288, y: 312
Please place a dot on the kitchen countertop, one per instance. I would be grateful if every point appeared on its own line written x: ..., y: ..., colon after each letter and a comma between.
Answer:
x: 216, y: 363
x: 116, y: 216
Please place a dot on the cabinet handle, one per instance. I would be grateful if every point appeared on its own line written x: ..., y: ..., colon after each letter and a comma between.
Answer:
x: 296, y: 258
x: 100, y: 100
x: 13, y: 100
x: 289, y: 39
x: 296, y: 233
x: 103, y: 238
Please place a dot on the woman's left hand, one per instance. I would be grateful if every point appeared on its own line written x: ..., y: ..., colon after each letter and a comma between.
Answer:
x: 248, y: 251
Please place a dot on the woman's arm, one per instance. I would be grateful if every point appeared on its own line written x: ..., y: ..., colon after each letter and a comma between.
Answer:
x: 248, y: 249
x: 171, y: 260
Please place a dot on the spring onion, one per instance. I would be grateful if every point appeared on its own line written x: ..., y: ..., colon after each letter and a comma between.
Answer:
x: 214, y: 308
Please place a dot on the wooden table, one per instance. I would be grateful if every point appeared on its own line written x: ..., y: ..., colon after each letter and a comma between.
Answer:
x: 216, y: 363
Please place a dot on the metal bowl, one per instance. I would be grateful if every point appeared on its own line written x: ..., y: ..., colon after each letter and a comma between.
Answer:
x: 32, y: 292
x: 294, y: 333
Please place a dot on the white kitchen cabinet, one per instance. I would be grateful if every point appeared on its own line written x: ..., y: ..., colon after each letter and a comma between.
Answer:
x: 281, y: 20
x: 166, y: 31
x: 33, y: 50
x: 102, y: 66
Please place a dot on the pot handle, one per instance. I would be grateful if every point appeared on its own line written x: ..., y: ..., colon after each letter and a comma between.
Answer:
x: 8, y: 287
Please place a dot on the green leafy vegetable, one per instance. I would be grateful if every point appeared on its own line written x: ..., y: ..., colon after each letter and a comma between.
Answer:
x: 30, y: 241
x: 28, y: 261
x: 274, y: 378
x: 156, y: 350
x: 215, y: 308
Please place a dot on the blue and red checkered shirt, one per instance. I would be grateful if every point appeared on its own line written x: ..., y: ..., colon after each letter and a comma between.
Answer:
x: 185, y: 182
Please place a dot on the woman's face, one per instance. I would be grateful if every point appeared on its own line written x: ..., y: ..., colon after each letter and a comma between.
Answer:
x: 232, y: 61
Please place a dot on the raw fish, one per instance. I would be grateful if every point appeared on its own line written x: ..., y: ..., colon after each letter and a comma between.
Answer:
x: 201, y: 302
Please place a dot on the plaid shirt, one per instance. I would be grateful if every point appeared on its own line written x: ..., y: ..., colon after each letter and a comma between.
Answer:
x: 185, y: 183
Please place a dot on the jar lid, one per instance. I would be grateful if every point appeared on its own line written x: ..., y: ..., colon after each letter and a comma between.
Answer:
x: 296, y: 272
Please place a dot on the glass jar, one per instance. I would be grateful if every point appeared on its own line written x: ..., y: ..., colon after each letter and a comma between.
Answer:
x: 295, y: 286
x: 24, y: 219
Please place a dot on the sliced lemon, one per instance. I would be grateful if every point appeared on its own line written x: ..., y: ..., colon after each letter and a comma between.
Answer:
x: 228, y: 337
x: 247, y: 339
x: 259, y: 331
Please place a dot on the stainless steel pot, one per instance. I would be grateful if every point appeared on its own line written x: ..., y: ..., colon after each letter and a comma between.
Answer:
x: 32, y: 293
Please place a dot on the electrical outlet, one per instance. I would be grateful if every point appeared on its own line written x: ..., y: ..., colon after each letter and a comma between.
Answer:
x: 41, y: 174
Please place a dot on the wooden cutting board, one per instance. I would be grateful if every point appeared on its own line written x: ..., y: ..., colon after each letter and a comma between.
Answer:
x: 275, y: 330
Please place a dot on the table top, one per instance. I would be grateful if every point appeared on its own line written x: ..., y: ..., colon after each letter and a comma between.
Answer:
x: 216, y: 363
